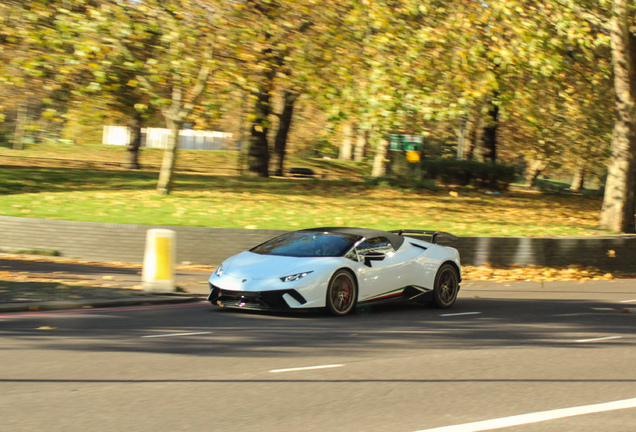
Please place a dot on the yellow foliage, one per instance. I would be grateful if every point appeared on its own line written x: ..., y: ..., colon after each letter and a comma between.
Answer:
x: 534, y: 273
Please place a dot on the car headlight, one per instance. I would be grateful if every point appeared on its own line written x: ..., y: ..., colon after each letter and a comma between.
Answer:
x: 294, y: 277
x: 219, y: 271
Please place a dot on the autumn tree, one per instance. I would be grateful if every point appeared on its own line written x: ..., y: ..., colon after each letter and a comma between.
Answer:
x: 112, y: 79
x: 163, y: 48
x: 619, y: 204
x: 34, y: 83
x: 272, y: 44
x: 590, y: 25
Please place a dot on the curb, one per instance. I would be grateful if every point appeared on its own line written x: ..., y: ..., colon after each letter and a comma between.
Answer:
x: 90, y: 304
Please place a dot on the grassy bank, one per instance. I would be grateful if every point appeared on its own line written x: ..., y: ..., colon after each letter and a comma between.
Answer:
x: 194, y: 161
x: 121, y: 196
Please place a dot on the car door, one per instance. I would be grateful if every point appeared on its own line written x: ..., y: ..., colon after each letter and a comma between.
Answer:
x: 378, y: 277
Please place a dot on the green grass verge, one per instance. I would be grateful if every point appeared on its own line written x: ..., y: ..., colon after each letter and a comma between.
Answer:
x: 120, y: 196
x: 208, y: 193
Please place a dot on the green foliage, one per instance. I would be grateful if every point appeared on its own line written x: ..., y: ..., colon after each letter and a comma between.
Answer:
x: 469, y: 172
x: 84, y: 128
x: 400, y: 168
x: 321, y: 147
x: 5, y: 139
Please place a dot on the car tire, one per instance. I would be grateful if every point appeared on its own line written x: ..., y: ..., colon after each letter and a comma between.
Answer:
x: 342, y: 293
x: 446, y: 286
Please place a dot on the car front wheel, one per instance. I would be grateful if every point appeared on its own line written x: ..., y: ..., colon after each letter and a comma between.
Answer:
x: 446, y: 286
x: 342, y: 293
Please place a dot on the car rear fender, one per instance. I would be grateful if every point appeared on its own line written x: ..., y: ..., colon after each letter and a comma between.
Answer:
x: 456, y: 267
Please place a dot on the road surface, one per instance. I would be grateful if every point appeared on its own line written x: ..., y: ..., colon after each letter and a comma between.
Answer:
x: 553, y: 359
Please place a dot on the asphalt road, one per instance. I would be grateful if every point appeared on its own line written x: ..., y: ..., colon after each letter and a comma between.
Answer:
x: 503, y: 351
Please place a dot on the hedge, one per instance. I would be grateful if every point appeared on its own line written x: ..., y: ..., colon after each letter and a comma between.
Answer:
x: 469, y: 172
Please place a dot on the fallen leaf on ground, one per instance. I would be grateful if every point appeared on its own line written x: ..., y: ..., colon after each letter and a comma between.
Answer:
x: 534, y: 273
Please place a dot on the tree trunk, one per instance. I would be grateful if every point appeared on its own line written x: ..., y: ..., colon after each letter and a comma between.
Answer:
x: 465, y: 135
x: 475, y: 133
x: 619, y: 204
x: 258, y: 151
x: 346, y: 145
x: 131, y: 159
x: 462, y: 131
x: 532, y: 174
x: 578, y: 179
x: 166, y: 175
x: 20, y: 128
x: 284, y: 124
x: 179, y: 110
x: 361, y: 145
x: 379, y: 166
x: 244, y: 133
x: 486, y: 148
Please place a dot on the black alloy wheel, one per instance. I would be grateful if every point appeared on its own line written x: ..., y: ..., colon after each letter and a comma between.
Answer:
x: 446, y: 287
x: 342, y: 293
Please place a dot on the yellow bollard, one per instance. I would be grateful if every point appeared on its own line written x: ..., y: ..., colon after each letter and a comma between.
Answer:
x: 159, y: 258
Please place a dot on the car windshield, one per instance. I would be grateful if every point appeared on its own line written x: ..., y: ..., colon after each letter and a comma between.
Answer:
x: 308, y: 244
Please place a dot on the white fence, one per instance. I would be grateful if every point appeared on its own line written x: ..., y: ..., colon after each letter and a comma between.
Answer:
x: 189, y: 139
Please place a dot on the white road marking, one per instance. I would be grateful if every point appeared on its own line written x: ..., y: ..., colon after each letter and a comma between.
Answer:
x: 176, y: 334
x: 404, y: 332
x: 306, y: 368
x: 461, y: 313
x: 628, y: 301
x: 536, y: 417
x: 599, y: 339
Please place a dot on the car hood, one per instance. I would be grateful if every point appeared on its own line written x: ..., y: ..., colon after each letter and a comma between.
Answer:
x: 256, y: 266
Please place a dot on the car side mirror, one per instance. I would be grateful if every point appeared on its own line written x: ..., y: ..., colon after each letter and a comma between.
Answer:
x: 373, y: 256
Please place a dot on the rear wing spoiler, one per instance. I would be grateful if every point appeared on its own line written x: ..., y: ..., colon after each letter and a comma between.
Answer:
x: 433, y: 234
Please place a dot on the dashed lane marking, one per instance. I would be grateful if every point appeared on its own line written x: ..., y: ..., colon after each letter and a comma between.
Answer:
x: 536, y: 417
x: 306, y: 368
x: 460, y: 314
x: 176, y: 334
x: 599, y: 339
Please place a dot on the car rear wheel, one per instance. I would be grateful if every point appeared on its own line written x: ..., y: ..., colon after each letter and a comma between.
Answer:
x: 446, y: 286
x: 342, y: 293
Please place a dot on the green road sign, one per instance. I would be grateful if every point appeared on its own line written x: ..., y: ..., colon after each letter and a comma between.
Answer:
x: 405, y: 142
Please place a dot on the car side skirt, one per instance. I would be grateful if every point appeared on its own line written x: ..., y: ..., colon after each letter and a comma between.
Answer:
x: 409, y: 293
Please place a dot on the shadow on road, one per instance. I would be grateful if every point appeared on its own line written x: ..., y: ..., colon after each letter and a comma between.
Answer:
x: 471, y: 324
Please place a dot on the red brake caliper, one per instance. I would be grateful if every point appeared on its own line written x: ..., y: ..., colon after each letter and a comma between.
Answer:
x: 347, y: 293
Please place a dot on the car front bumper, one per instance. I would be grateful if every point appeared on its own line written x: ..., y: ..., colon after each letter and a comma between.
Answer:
x: 256, y: 300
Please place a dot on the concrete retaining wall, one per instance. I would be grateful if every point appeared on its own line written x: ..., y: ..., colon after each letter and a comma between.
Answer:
x: 121, y: 242
x: 609, y: 253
